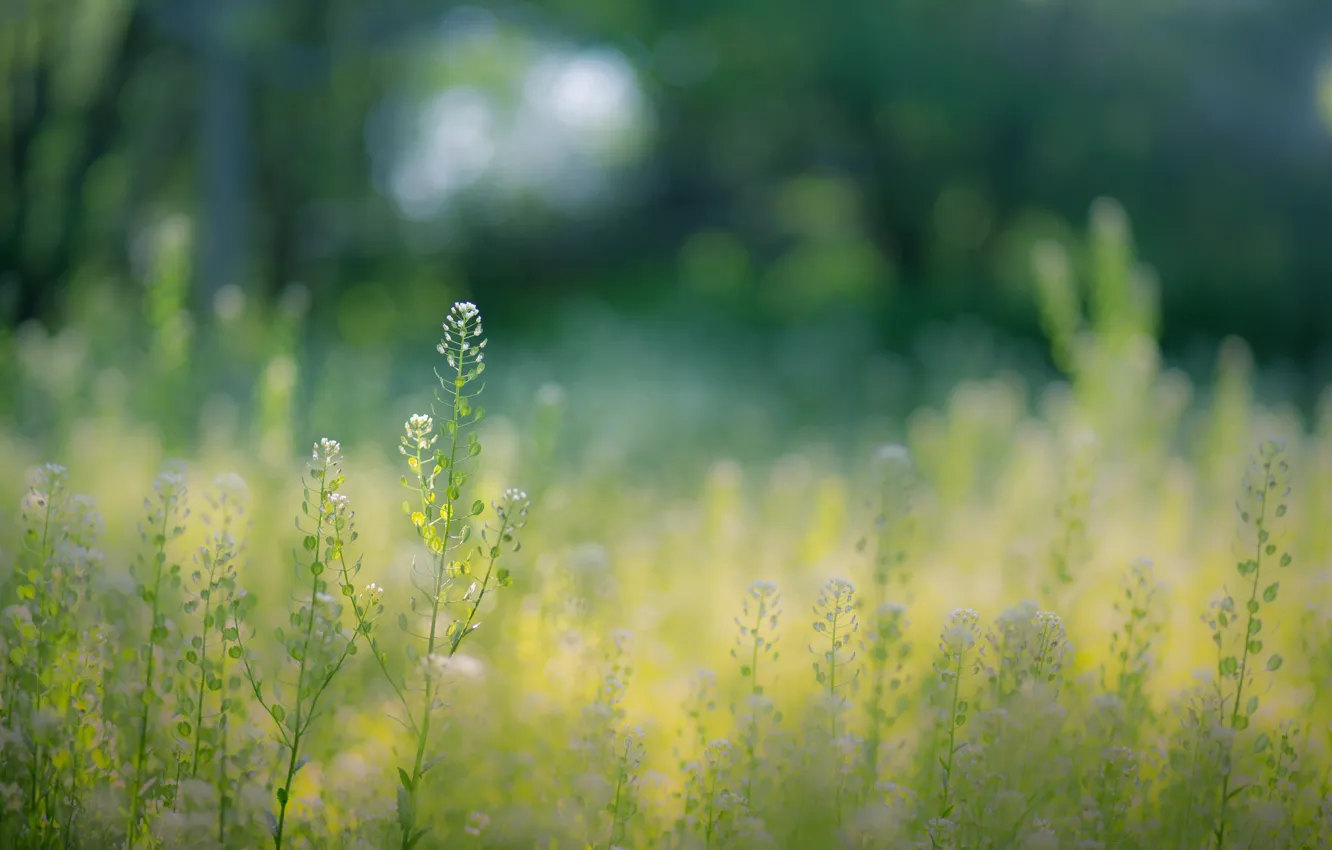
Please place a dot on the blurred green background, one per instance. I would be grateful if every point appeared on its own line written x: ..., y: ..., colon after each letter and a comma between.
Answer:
x: 873, y: 167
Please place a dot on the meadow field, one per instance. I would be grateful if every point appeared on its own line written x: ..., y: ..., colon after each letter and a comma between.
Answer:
x: 260, y: 592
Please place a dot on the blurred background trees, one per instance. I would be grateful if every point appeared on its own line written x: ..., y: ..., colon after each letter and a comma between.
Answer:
x: 775, y: 160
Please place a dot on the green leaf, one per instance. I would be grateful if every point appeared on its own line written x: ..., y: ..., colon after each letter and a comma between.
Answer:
x: 1274, y: 663
x: 406, y: 811
x: 431, y: 763
x: 405, y: 779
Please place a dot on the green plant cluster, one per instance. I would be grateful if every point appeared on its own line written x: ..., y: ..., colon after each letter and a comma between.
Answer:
x: 181, y: 690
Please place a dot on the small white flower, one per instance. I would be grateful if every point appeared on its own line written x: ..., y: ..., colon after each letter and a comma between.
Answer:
x: 464, y: 666
x: 327, y: 451
x: 892, y: 609
x: 476, y: 822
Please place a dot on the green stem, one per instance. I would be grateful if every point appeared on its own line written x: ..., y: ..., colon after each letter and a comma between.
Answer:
x: 141, y: 755
x: 832, y: 705
x: 481, y: 594
x: 298, y: 726
x: 952, y: 737
x: 712, y: 797
x: 203, y: 673
x: 40, y: 582
x: 752, y: 742
x: 1244, y: 654
x: 222, y: 786
x: 363, y: 628
x: 441, y: 563
x: 615, y: 805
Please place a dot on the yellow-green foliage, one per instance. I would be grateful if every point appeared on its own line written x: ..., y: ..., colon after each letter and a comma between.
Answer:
x: 1040, y: 621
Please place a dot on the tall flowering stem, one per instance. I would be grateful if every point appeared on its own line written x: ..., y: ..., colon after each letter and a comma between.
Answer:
x: 163, y: 525
x: 957, y: 651
x: 437, y: 453
x: 756, y: 641
x: 318, y: 645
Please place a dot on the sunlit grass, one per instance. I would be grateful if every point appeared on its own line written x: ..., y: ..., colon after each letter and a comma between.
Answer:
x: 1028, y: 622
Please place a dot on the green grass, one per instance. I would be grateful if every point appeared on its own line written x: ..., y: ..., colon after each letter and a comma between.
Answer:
x: 1078, y: 622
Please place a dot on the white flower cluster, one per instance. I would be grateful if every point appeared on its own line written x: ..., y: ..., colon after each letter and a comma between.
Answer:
x: 890, y: 609
x: 171, y: 480
x: 476, y: 823
x: 421, y: 434
x: 372, y: 595
x: 461, y: 337
x: 465, y: 311
x: 328, y: 451
x: 512, y: 508
x: 961, y: 631
x: 338, y: 504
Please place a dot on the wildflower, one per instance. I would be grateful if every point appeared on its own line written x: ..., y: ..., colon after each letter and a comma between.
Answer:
x: 231, y: 485
x: 420, y: 433
x: 960, y: 633
x: 891, y: 610
x: 327, y: 452
x: 465, y: 666
x: 476, y: 822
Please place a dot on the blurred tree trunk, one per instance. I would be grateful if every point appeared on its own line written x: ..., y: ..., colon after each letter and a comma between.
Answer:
x: 50, y: 147
x: 224, y: 161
